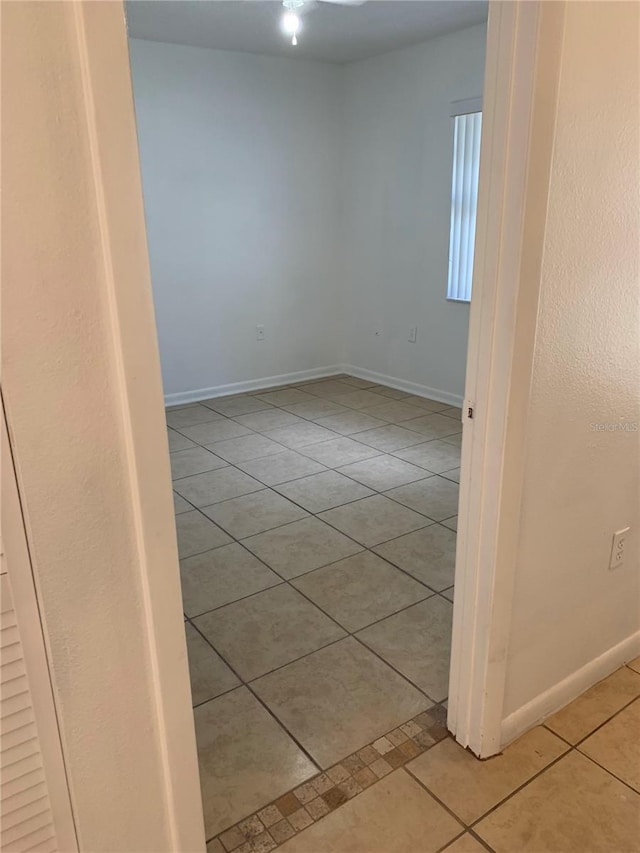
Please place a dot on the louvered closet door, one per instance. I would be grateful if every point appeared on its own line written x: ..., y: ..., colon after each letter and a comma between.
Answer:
x: 35, y: 809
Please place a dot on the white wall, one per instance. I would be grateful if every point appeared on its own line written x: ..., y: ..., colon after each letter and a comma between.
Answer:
x: 240, y: 160
x: 573, y: 620
x: 311, y: 198
x: 397, y: 178
x: 82, y: 394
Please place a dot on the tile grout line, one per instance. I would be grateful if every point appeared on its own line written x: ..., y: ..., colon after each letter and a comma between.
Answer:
x: 315, y: 604
x: 421, y: 741
x: 428, y: 590
x: 255, y: 696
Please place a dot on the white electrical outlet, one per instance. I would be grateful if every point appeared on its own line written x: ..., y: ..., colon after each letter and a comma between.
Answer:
x: 259, y: 333
x: 618, y: 547
x: 413, y: 334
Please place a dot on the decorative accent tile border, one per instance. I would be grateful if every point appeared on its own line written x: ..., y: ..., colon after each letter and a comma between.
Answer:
x: 274, y: 824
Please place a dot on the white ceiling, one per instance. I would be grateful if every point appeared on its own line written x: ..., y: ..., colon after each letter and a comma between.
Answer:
x: 330, y: 33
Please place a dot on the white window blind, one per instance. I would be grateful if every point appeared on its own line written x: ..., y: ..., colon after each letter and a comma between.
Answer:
x: 464, y: 203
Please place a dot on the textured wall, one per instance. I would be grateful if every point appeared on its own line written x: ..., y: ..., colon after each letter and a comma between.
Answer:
x: 581, y: 483
x: 66, y: 411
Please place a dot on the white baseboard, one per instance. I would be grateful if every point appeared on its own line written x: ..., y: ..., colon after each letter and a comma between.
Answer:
x: 184, y: 397
x: 568, y: 689
x: 403, y: 385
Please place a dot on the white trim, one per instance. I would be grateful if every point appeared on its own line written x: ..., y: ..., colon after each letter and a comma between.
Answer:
x: 110, y: 122
x: 466, y: 106
x: 403, y: 385
x: 521, y: 77
x: 183, y: 397
x: 569, y: 688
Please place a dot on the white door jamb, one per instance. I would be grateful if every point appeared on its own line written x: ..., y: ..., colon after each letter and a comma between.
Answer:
x: 521, y: 82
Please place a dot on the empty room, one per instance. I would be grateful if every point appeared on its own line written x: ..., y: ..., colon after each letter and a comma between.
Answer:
x: 310, y: 175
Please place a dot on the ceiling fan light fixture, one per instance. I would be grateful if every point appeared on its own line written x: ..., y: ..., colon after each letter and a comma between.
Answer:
x: 290, y: 22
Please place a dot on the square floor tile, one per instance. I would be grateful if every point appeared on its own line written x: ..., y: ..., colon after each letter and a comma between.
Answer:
x: 426, y: 404
x: 434, y: 497
x: 451, y: 523
x: 213, y: 486
x: 245, y: 447
x: 616, y: 746
x: 285, y: 397
x: 180, y: 505
x: 395, y: 411
x: 300, y: 547
x: 215, y: 431
x: 428, y: 554
x: 448, y: 593
x: 231, y: 407
x: 383, y: 472
x: 452, y: 412
x: 455, y: 440
x: 594, y: 707
x: 391, y: 393
x: 323, y: 491
x: 339, y: 699
x: 358, y: 399
x: 465, y: 844
x: 196, y: 534
x: 394, y: 816
x: 246, y: 759
x: 417, y: 642
x: 269, y: 419
x: 360, y: 590
x: 470, y: 787
x: 453, y: 475
x: 389, y: 437
x: 374, y: 520
x: 267, y: 630
x: 634, y: 664
x: 301, y: 434
x: 434, y: 426
x: 250, y: 514
x: 209, y: 674
x: 319, y: 408
x: 190, y: 416
x: 350, y: 422
x: 436, y: 456
x: 572, y: 807
x: 282, y: 467
x: 177, y: 441
x: 328, y: 387
x: 221, y: 576
x: 195, y: 460
x: 356, y: 382
x: 339, y: 451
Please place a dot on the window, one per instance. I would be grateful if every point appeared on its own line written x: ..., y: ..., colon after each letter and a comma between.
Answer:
x: 467, y: 124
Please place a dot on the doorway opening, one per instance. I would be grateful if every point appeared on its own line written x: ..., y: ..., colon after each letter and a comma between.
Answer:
x: 310, y: 219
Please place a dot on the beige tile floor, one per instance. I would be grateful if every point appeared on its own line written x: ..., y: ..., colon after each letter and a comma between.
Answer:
x: 571, y: 785
x: 316, y: 534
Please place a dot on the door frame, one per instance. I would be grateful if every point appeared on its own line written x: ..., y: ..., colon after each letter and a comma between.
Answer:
x: 515, y: 159
x: 524, y: 44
